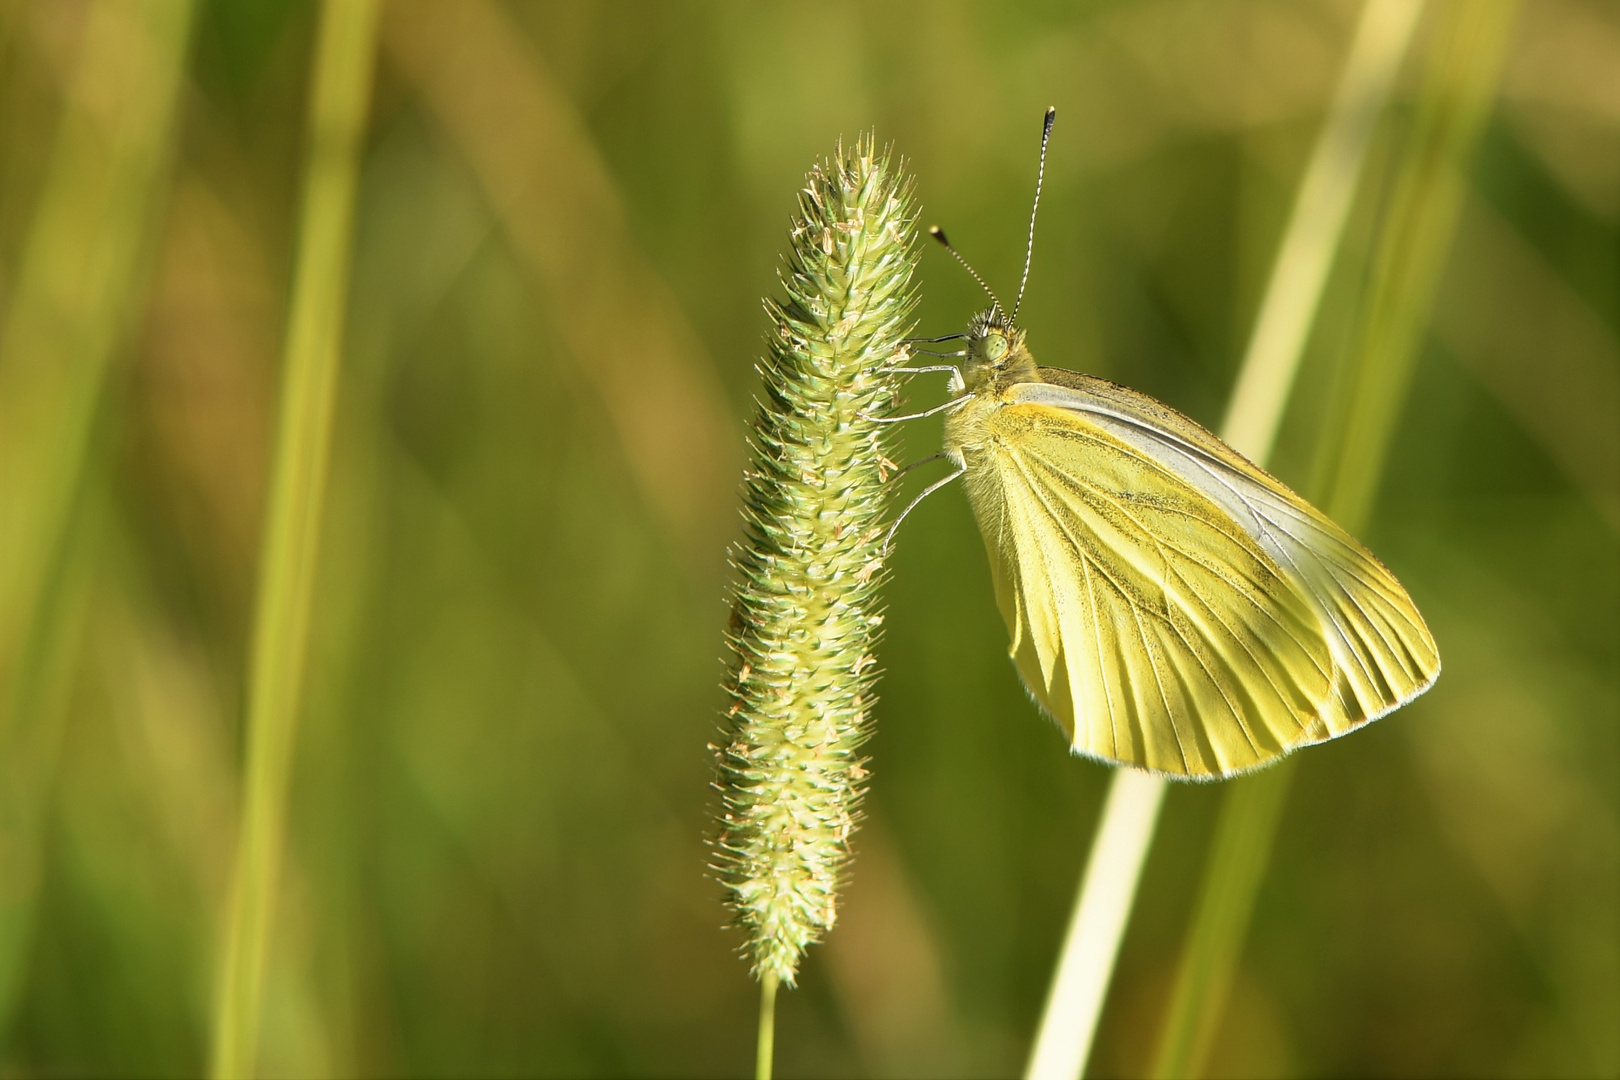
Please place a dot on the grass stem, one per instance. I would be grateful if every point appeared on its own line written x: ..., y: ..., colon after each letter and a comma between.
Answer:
x: 1244, y: 833
x: 1311, y: 238
x: 765, y: 1055
x: 1075, y: 1000
x: 344, y: 61
x: 77, y: 291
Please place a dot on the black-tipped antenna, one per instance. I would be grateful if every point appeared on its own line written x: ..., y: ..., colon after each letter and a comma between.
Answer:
x: 1040, y: 174
x: 939, y: 234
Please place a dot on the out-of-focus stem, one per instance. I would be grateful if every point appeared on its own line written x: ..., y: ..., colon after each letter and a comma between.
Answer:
x: 78, y: 285
x: 1454, y: 101
x: 344, y: 61
x: 1312, y: 237
x: 1237, y: 861
x: 1076, y: 997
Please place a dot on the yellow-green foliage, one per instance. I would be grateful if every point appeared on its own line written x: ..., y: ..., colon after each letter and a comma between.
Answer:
x: 805, y: 619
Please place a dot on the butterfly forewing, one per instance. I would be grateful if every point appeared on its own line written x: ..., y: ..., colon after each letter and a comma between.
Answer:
x: 1382, y: 651
x: 1151, y: 625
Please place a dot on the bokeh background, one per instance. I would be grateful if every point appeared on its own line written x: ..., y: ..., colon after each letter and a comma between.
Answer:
x: 496, y: 861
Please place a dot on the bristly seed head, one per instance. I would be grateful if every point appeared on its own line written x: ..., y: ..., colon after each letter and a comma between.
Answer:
x: 805, y: 623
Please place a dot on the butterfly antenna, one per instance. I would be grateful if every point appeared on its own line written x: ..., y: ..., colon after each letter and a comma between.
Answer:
x: 939, y: 234
x: 1040, y: 175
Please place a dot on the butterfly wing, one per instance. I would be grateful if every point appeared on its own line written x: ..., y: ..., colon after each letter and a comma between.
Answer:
x: 1144, y: 618
x: 1383, y: 653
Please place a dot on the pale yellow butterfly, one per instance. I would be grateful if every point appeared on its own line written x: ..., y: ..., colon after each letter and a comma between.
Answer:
x: 1172, y: 605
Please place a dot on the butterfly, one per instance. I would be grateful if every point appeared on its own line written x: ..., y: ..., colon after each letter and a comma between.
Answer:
x: 1171, y: 604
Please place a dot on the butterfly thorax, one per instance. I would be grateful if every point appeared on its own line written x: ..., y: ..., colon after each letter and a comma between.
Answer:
x: 996, y: 355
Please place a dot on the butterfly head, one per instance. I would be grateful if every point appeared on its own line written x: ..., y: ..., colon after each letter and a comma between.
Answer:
x: 996, y: 354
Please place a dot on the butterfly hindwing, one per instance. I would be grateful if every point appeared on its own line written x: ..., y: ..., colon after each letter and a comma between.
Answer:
x: 1151, y: 625
x: 1383, y: 652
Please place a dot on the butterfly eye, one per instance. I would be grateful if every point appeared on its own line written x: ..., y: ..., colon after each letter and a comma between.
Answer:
x: 995, y: 347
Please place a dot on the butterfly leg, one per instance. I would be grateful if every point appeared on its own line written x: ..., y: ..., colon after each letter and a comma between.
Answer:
x: 912, y: 505
x: 954, y: 385
x: 919, y: 370
x: 951, y: 404
x: 902, y: 470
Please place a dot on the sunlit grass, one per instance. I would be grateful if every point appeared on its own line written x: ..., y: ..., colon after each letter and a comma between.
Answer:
x: 72, y: 302
x: 341, y: 89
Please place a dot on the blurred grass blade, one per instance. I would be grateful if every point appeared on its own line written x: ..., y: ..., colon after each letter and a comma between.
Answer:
x: 1086, y: 963
x: 1237, y: 861
x: 32, y: 748
x: 1457, y: 89
x: 1558, y: 375
x: 344, y: 61
x: 1297, y: 277
x: 78, y: 285
x: 1292, y: 296
x: 1455, y: 98
x: 558, y: 203
x: 887, y: 967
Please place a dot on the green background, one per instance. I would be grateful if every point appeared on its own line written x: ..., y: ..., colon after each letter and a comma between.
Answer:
x: 496, y: 861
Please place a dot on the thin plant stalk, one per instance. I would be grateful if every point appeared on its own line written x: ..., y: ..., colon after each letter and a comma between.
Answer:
x: 1315, y: 226
x: 1409, y: 254
x: 1293, y: 294
x: 342, y: 77
x: 765, y: 1052
x: 1244, y: 833
x: 1459, y: 87
x: 1086, y: 963
x: 78, y: 288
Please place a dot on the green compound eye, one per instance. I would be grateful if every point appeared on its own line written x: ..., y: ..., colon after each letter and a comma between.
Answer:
x: 995, y: 347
